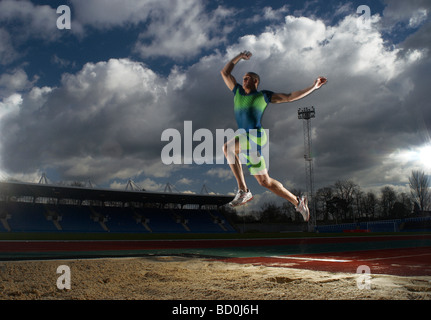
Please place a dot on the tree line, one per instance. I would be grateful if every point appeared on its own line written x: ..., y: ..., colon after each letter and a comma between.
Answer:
x: 345, y: 201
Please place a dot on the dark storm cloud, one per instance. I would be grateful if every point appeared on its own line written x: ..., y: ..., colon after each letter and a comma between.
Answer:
x: 108, y: 111
x: 106, y: 120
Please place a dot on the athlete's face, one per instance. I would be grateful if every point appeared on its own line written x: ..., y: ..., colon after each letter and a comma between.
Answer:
x: 249, y: 82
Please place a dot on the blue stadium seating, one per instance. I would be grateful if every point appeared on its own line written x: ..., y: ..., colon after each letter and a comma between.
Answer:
x: 26, y: 217
x: 77, y: 219
x: 36, y: 217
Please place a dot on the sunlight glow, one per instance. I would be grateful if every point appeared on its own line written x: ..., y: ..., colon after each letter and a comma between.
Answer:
x: 420, y: 156
x: 424, y: 154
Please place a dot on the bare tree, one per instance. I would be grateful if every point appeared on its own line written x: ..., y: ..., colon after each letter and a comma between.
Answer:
x: 420, y: 189
x: 370, y: 205
x: 359, y: 197
x: 345, y: 190
x: 387, y: 200
x: 324, y: 195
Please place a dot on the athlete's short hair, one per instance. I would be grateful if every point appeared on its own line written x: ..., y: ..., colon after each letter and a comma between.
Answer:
x: 254, y: 76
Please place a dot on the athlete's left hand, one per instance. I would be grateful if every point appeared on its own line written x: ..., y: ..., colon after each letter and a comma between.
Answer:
x: 320, y: 82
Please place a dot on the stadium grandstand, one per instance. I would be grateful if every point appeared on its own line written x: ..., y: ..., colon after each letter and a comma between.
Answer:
x: 32, y: 207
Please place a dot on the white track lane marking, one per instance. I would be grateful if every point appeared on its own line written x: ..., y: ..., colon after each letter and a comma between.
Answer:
x: 340, y: 260
x: 311, y: 259
x: 396, y: 257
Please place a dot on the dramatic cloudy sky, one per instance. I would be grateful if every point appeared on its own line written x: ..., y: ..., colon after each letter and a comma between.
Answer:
x: 92, y: 102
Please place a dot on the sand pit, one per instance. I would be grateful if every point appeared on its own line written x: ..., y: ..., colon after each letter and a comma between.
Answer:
x: 190, y: 278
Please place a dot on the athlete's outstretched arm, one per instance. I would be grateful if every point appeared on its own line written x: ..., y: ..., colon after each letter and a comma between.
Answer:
x: 296, y: 95
x: 226, y: 72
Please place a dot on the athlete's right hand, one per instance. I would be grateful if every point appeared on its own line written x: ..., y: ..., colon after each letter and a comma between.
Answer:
x: 246, y: 55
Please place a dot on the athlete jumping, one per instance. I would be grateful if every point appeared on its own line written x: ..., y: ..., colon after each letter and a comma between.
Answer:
x: 249, y: 105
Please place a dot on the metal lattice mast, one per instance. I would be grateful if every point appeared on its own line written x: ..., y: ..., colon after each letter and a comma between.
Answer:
x: 306, y: 114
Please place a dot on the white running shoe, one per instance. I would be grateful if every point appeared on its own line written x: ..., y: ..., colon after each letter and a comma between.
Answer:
x: 242, y: 197
x: 302, y: 208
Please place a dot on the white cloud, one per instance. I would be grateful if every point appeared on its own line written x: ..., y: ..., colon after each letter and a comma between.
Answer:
x: 151, y: 185
x: 103, y: 122
x: 146, y: 184
x: 220, y: 173
x: 344, y: 9
x: 37, y: 21
x: 269, y: 13
x: 413, y: 12
x: 418, y: 18
x: 63, y: 63
x: 10, y: 105
x: 181, y: 31
x: 103, y: 14
x: 7, y: 51
x: 178, y: 29
x: 15, y: 81
x: 21, y: 21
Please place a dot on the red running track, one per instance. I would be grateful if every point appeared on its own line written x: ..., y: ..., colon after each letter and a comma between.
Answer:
x: 400, y: 262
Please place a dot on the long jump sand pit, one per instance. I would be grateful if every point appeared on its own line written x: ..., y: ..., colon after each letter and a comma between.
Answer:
x: 195, y: 278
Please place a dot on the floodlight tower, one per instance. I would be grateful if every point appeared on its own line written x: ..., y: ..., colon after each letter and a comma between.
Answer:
x: 306, y: 114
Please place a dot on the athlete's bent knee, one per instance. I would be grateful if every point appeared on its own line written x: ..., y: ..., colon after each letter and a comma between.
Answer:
x: 230, y: 147
x: 264, y: 182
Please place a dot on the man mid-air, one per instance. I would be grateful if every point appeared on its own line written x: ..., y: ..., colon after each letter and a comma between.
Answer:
x: 249, y: 105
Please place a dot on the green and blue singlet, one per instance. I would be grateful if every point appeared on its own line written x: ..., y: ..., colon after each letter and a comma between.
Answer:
x: 249, y: 109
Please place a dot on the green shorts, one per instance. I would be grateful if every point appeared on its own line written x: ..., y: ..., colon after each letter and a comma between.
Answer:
x: 253, y: 145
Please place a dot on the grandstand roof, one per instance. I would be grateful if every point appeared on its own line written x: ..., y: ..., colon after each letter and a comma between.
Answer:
x: 19, y: 189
